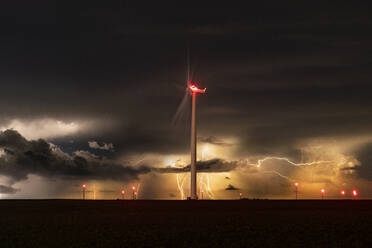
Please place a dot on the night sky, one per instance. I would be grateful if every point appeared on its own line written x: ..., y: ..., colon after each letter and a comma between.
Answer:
x: 89, y: 90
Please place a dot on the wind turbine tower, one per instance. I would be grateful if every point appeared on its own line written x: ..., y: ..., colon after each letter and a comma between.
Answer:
x: 193, y: 90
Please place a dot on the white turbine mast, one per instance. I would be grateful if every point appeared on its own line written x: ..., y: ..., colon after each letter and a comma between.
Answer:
x: 193, y: 90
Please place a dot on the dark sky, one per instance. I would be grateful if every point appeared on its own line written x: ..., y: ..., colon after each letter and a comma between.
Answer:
x: 279, y: 74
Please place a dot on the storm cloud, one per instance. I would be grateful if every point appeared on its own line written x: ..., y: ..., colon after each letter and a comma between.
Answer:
x: 214, y: 141
x: 23, y: 157
x: 213, y: 165
x: 7, y: 190
x: 274, y: 77
x: 231, y: 187
x: 104, y: 146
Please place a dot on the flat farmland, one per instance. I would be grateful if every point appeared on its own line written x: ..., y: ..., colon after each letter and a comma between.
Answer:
x: 147, y: 223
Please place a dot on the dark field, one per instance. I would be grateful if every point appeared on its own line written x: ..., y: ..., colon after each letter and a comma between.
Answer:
x: 72, y: 223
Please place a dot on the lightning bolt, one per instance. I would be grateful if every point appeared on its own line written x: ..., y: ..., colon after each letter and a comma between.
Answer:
x: 205, y: 185
x: 209, y: 189
x: 277, y: 173
x: 201, y: 183
x: 260, y: 161
x: 180, y: 183
x: 204, y: 178
x: 204, y: 182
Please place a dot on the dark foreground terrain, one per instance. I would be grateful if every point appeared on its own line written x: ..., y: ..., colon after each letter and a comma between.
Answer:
x: 71, y: 223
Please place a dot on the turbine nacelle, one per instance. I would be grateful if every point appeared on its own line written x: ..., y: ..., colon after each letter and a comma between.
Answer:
x: 194, y: 88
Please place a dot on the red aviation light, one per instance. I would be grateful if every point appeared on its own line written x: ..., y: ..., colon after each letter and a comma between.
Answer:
x: 322, y: 190
x: 342, y: 192
x: 296, y: 184
x: 122, y: 192
x: 133, y: 188
x: 195, y: 88
x: 355, y: 193
x: 84, y: 186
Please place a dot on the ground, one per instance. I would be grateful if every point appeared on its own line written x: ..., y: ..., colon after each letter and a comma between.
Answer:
x: 239, y: 223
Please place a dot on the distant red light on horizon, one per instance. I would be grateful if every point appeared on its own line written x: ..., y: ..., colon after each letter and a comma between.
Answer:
x: 84, y: 186
x: 355, y: 193
x: 342, y: 192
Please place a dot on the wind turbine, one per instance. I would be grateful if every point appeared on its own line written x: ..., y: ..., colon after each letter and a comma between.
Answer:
x: 192, y: 89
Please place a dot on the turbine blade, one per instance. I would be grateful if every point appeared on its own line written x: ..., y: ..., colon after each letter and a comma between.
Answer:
x: 181, y: 109
x: 188, y: 65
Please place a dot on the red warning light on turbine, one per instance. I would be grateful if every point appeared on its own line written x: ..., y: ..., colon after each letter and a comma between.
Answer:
x: 342, y: 192
x: 296, y: 184
x: 84, y: 186
x: 122, y: 192
x: 195, y: 88
x: 133, y: 187
x: 322, y: 190
x: 355, y: 193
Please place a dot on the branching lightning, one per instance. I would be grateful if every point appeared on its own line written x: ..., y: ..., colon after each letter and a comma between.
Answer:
x: 260, y: 161
x: 204, y: 182
x: 180, y: 182
x: 204, y: 185
x: 277, y: 173
x: 209, y: 189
